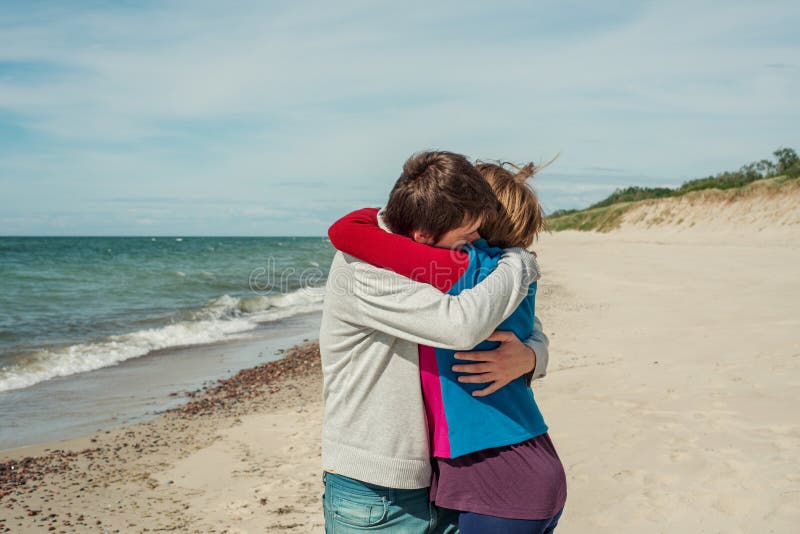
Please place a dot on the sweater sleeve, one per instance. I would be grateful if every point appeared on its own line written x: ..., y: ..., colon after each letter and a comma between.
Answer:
x: 421, y: 314
x: 358, y: 234
x: 540, y: 345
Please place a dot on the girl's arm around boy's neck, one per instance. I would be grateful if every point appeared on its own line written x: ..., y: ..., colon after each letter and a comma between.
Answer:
x: 358, y: 234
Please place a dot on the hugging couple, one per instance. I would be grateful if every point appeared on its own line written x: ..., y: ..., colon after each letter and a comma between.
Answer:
x: 429, y: 344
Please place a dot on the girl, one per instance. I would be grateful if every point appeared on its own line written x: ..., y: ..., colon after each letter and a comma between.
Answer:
x: 493, y: 459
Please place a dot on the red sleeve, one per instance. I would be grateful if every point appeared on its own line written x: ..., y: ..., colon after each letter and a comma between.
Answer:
x: 359, y: 235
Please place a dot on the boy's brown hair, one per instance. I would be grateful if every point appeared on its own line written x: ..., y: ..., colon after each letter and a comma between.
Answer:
x: 438, y: 192
x: 519, y: 218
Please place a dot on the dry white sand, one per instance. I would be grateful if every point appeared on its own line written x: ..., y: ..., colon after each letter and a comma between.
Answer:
x: 671, y: 396
x: 674, y: 381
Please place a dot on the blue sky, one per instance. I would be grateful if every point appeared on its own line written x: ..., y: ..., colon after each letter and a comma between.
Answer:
x: 274, y: 118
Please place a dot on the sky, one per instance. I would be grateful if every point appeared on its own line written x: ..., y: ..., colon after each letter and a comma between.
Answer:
x: 276, y: 118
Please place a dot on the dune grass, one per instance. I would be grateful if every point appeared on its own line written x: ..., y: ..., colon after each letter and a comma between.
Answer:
x: 603, y: 219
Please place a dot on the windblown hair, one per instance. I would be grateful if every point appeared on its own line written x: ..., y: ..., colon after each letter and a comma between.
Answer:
x: 520, y: 217
x: 438, y: 192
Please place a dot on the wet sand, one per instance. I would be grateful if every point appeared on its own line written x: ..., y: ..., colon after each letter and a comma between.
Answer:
x: 138, y: 389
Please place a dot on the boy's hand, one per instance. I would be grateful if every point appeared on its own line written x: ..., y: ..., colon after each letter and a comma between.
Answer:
x: 499, y: 366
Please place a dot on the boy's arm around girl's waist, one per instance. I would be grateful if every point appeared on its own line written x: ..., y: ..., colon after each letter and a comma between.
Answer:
x: 422, y: 314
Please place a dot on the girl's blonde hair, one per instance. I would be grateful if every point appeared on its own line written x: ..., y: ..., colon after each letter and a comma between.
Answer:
x: 519, y: 217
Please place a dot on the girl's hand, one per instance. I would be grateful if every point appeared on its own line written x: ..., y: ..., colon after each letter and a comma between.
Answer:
x: 497, y: 367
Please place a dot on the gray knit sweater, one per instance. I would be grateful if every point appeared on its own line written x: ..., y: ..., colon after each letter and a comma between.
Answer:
x: 374, y: 427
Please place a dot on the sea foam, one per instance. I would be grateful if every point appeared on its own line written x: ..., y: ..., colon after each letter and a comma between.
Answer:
x: 223, y: 318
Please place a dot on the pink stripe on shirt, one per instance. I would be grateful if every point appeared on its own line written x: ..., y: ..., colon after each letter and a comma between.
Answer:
x: 434, y: 406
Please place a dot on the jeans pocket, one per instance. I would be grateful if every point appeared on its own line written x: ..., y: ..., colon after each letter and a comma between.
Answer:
x: 366, y: 512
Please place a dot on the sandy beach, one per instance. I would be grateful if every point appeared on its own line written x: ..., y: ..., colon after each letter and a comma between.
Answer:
x: 671, y: 393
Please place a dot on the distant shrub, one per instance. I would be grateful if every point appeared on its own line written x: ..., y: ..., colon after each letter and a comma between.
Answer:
x: 787, y: 159
x: 725, y: 180
x: 793, y: 171
x: 634, y: 193
x: 560, y: 213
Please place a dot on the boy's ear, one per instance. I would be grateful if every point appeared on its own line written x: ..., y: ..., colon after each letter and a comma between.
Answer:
x: 422, y: 237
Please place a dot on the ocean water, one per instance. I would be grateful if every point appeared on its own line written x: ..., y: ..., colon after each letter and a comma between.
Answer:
x: 70, y: 305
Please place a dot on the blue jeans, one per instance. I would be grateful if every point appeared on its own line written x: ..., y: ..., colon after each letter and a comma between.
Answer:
x: 472, y: 523
x: 353, y: 506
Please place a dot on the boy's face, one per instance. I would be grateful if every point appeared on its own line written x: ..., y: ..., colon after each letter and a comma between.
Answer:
x: 455, y: 238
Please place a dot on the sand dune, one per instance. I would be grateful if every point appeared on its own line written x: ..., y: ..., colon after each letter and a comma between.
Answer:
x: 768, y: 208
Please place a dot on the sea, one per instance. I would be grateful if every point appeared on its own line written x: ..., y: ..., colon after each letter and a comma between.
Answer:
x: 113, y: 325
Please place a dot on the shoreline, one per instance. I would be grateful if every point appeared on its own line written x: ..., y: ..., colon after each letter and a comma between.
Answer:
x: 139, y: 389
